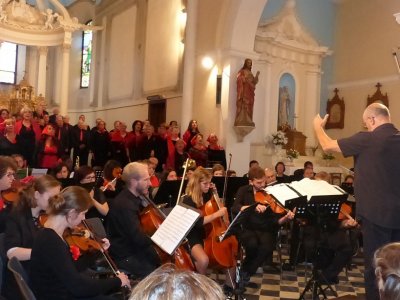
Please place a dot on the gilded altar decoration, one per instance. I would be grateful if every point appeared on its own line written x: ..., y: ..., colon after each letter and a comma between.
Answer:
x: 20, y: 95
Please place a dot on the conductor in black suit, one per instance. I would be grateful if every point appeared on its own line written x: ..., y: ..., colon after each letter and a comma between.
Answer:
x: 376, y: 185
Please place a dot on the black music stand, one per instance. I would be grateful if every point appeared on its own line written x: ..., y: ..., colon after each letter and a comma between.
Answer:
x: 232, y: 185
x: 234, y: 226
x: 318, y: 211
x: 168, y: 192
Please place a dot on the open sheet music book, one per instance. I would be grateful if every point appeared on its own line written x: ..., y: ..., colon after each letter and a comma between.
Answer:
x: 175, y: 228
x: 305, y: 187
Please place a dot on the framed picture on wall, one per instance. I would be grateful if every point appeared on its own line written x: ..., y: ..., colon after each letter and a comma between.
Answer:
x: 335, y: 108
x: 336, y: 178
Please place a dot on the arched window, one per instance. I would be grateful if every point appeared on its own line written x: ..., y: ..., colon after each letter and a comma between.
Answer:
x: 8, y: 62
x: 86, y: 56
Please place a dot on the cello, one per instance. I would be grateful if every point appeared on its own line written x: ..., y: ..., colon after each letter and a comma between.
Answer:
x: 150, y: 219
x: 220, y: 253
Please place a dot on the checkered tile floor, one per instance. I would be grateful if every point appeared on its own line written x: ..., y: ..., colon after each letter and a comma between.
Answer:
x: 287, y: 285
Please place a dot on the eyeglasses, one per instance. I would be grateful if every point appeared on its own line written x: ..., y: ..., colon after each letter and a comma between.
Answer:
x: 11, y: 174
x: 90, y: 178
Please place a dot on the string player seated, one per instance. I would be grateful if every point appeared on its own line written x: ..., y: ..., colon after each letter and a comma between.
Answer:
x: 53, y: 273
x: 258, y: 233
x: 332, y: 241
x: 131, y: 248
x: 197, y: 194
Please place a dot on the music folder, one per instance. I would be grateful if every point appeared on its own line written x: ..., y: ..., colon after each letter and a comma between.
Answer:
x: 175, y: 227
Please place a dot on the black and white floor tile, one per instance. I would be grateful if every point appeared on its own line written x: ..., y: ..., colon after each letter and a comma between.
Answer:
x: 286, y: 285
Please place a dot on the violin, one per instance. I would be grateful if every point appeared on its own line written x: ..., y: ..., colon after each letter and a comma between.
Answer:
x: 264, y: 198
x: 80, y: 236
x: 345, y: 212
x: 11, y: 195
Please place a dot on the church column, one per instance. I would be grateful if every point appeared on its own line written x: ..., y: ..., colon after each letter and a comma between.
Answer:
x: 313, y: 89
x: 42, y: 68
x: 189, y: 63
x: 64, y: 79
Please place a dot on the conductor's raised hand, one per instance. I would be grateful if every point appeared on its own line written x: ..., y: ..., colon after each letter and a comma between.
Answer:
x: 319, y: 122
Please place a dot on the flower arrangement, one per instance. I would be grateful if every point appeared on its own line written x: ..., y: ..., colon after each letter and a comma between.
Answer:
x: 279, y: 138
x: 328, y: 156
x: 292, y: 154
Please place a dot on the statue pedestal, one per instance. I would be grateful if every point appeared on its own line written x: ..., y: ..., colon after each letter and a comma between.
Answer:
x: 242, y: 131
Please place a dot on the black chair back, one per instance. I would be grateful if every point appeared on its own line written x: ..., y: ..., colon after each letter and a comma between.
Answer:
x: 21, y: 278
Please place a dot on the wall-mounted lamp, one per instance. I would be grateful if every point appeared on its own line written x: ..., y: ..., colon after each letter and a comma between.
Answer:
x: 207, y: 62
x: 396, y: 60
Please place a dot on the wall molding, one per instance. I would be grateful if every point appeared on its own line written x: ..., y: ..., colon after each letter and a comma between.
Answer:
x: 364, y: 82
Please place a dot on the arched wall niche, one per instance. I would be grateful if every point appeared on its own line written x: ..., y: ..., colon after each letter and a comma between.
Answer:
x: 287, y: 100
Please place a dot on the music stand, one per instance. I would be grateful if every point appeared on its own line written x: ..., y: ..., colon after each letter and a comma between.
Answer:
x: 232, y: 185
x: 231, y: 230
x: 318, y: 211
x: 168, y: 192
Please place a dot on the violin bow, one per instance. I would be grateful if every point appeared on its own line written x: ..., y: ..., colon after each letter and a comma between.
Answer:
x: 104, y: 252
x: 226, y: 178
x: 183, y: 179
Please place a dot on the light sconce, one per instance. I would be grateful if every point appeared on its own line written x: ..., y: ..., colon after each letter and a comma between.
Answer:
x: 207, y: 62
x: 396, y: 60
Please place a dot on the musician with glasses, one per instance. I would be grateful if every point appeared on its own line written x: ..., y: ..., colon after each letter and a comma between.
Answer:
x: 377, y: 192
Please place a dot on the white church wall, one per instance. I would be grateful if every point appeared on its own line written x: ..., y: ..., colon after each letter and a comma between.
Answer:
x: 162, y: 52
x: 366, y: 35
x: 120, y: 58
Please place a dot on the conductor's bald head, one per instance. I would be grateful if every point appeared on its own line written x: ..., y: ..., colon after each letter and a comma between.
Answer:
x: 375, y: 115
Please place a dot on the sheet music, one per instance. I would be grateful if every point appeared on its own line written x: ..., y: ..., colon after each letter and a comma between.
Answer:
x: 174, y: 228
x: 309, y: 188
x: 282, y: 192
x: 304, y: 187
x: 38, y: 172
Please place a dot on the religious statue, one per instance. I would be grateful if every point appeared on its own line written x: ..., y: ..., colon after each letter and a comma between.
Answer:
x: 246, y: 85
x: 284, y: 106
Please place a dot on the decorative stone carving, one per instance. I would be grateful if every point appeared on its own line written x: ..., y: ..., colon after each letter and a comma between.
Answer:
x: 285, y: 31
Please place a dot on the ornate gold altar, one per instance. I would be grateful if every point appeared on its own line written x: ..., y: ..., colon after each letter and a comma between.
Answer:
x: 20, y: 95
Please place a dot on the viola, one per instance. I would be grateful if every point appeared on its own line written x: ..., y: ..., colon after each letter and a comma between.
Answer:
x: 264, y: 198
x: 220, y: 253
